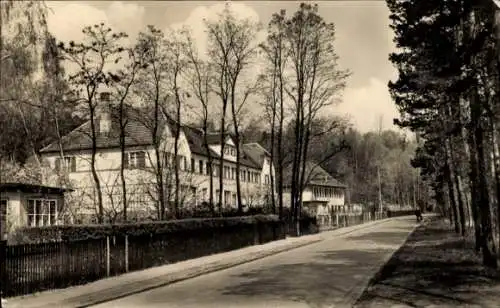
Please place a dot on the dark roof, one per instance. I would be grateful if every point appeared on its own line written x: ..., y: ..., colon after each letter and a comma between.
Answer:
x: 256, y: 153
x: 30, y: 188
x: 138, y: 133
x: 315, y: 175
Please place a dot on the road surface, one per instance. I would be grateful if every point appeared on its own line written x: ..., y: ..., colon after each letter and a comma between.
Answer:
x: 331, y: 273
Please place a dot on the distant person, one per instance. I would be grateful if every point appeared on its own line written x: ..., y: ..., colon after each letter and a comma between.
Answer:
x: 418, y: 213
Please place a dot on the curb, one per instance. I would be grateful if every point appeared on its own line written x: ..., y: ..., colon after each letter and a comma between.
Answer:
x: 88, y: 300
x: 114, y: 293
x: 209, y: 268
x: 379, y: 273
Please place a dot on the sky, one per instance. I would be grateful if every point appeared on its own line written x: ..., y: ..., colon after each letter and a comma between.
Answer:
x: 363, y: 42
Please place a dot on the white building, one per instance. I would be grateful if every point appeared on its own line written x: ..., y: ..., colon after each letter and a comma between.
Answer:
x: 141, y: 168
x: 322, y: 194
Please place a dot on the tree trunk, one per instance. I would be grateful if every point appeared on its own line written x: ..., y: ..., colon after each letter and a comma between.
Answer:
x: 122, y: 166
x: 295, y: 169
x: 487, y: 242
x: 176, y: 155
x: 95, y: 176
x: 271, y: 163
x: 454, y: 170
x: 488, y: 249
x: 496, y: 169
x: 280, y: 144
x: 221, y: 165
x: 238, y: 156
x: 209, y: 165
x: 452, y: 198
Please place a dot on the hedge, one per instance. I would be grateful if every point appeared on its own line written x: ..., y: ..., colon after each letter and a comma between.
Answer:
x: 398, y: 213
x: 95, y: 231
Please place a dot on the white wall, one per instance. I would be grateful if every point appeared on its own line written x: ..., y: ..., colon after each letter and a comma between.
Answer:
x: 108, y: 166
x: 335, y: 202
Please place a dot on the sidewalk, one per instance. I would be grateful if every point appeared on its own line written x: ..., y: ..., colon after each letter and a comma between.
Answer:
x: 435, y: 268
x: 135, y: 282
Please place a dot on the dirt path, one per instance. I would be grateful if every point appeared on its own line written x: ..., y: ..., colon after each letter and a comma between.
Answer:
x: 435, y: 268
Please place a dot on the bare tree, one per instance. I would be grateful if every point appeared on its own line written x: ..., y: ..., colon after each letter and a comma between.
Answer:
x: 125, y: 80
x: 92, y: 59
x: 200, y: 83
x: 177, y: 60
x: 275, y: 51
x: 152, y: 91
x: 231, y: 49
x: 317, y: 82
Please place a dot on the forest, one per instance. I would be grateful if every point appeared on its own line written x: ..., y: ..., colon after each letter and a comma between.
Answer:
x: 447, y: 93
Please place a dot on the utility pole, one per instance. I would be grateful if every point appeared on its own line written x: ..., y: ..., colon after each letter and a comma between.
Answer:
x: 381, y: 117
x: 379, y: 190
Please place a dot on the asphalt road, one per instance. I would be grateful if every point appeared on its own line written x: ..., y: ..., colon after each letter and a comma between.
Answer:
x: 331, y: 273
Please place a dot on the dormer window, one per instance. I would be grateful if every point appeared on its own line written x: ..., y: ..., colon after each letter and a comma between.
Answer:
x: 229, y: 150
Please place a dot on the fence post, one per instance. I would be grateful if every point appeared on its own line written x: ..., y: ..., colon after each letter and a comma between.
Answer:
x: 108, y: 256
x: 3, y: 274
x: 126, y: 253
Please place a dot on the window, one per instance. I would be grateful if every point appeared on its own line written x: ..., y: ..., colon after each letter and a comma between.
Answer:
x: 135, y: 159
x: 179, y: 161
x: 200, y: 166
x: 244, y: 175
x: 193, y: 165
x: 266, y: 179
x: 217, y: 195
x: 233, y: 173
x: 227, y: 172
x: 184, y: 164
x: 68, y: 164
x: 193, y: 193
x: 234, y: 203
x: 41, y: 212
x: 215, y: 170
x: 227, y: 197
x: 3, y: 216
x: 207, y: 170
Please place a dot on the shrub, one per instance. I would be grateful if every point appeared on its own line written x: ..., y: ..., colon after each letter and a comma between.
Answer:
x: 93, y: 231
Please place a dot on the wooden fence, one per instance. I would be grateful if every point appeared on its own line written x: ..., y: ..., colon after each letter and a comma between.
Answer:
x: 33, y: 268
x: 340, y: 220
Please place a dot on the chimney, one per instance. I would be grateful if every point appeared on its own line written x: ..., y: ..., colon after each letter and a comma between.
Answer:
x: 103, y: 113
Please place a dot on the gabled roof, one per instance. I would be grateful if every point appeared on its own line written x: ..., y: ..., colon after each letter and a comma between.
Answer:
x: 315, y: 175
x: 138, y: 132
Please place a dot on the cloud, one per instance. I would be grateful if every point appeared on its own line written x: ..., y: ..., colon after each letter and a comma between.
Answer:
x: 127, y: 17
x: 198, y: 16
x: 366, y: 105
x: 68, y: 18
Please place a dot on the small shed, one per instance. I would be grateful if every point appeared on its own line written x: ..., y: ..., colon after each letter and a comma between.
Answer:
x: 28, y: 205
